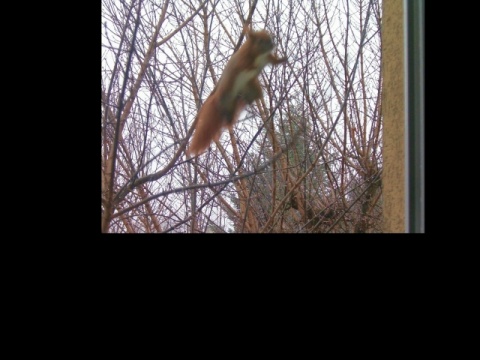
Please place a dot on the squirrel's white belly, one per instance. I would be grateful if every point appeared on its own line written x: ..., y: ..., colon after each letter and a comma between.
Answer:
x: 245, y: 76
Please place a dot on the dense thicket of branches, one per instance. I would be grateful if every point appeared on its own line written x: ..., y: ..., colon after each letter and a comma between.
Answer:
x: 307, y: 158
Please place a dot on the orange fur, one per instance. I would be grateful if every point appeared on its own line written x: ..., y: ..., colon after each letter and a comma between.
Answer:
x: 208, y: 128
x: 237, y: 87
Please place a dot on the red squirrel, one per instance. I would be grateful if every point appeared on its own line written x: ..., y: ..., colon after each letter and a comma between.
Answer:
x: 238, y: 86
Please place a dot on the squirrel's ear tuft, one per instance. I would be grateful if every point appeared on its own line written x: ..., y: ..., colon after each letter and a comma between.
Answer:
x: 247, y: 29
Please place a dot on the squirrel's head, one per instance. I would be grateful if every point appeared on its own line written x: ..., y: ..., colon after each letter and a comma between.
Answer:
x: 261, y: 40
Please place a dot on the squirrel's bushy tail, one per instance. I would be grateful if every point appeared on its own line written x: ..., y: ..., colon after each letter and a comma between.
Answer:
x: 210, y: 123
x: 208, y: 128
